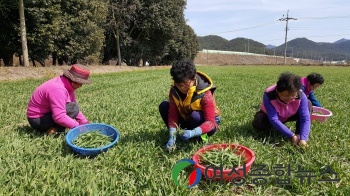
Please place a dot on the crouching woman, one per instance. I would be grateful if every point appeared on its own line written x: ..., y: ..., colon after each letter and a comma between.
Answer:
x: 191, y: 104
x: 285, y: 102
x: 53, y: 107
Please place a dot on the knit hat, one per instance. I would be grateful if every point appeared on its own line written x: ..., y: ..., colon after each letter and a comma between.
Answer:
x: 78, y: 73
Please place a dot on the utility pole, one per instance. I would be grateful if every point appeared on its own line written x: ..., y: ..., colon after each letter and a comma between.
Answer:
x: 207, y: 57
x: 285, y: 39
x: 248, y: 45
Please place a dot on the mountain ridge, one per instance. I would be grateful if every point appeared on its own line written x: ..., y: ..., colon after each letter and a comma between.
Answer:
x: 298, y: 48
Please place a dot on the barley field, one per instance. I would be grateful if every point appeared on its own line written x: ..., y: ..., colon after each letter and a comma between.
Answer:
x: 32, y: 163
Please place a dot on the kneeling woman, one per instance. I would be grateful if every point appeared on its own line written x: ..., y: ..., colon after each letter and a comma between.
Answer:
x: 285, y: 102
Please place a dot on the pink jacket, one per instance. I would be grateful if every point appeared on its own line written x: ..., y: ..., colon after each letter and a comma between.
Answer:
x: 52, y: 96
x: 283, y: 110
x: 279, y: 112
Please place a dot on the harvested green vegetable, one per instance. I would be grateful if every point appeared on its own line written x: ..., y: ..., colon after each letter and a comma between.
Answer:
x: 226, y: 157
x: 92, y: 139
x: 179, y: 131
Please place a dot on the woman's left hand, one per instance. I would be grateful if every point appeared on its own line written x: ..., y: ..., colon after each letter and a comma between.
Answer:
x: 296, y: 139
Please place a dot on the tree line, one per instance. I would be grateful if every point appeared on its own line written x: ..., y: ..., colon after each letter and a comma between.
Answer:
x: 96, y: 31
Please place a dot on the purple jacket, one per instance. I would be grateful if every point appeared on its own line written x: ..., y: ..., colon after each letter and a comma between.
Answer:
x: 279, y: 112
x: 52, y: 96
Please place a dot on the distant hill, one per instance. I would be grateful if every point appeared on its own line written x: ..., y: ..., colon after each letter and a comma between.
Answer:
x: 344, y: 45
x: 304, y: 48
x: 214, y: 42
x: 341, y: 41
x: 298, y: 48
x: 269, y: 46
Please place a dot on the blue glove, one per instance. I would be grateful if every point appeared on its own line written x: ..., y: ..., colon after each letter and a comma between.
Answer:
x: 218, y: 119
x: 191, y: 133
x: 172, y: 139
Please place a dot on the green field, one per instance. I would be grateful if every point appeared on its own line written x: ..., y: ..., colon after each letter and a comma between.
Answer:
x: 36, y: 164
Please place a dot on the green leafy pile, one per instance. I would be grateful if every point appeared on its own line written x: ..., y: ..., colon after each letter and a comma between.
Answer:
x: 92, y: 139
x: 227, y: 157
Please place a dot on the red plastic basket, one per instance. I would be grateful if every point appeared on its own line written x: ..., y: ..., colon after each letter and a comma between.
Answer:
x: 321, y: 115
x: 228, y: 174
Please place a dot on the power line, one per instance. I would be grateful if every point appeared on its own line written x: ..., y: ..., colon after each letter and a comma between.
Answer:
x: 285, y: 39
x: 329, y: 35
x: 334, y: 28
x: 292, y: 28
x: 282, y: 19
x: 323, y: 18
x: 242, y: 29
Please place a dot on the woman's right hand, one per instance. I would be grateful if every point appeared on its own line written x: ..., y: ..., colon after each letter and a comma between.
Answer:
x: 295, y: 139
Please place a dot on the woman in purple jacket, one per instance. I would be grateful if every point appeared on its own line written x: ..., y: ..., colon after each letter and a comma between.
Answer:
x: 311, y: 83
x: 53, y: 107
x: 285, y: 102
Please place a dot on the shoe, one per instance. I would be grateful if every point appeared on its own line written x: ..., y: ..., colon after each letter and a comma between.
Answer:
x: 205, y: 139
x: 51, y: 131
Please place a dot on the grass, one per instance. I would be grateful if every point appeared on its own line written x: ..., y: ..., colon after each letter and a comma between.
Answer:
x: 36, y: 164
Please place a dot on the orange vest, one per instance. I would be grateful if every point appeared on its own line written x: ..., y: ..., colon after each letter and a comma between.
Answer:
x: 194, y: 96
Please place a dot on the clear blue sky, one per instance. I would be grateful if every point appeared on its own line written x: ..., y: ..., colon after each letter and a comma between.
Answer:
x: 317, y: 20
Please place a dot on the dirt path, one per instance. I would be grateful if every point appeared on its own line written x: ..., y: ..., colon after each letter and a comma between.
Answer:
x: 18, y: 73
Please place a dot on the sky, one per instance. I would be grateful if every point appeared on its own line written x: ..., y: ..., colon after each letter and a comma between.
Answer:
x: 265, y: 20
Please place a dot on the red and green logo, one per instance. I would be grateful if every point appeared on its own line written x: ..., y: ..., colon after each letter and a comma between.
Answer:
x: 194, y: 177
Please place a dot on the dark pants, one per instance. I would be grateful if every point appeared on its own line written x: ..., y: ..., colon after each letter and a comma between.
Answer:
x: 195, y: 120
x: 261, y: 120
x: 46, y: 122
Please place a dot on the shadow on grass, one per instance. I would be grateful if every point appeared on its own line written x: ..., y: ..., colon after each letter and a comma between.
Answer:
x: 256, y: 107
x: 28, y: 131
x: 160, y: 139
x: 143, y: 136
x: 270, y: 137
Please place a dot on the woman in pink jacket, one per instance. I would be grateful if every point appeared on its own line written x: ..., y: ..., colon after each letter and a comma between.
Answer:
x: 53, y: 107
x: 285, y: 102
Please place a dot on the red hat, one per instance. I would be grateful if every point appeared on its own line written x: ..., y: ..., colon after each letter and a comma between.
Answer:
x: 78, y: 73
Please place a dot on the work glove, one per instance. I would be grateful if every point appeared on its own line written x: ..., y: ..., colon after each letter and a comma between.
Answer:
x: 172, y: 139
x: 191, y: 133
x: 218, y: 119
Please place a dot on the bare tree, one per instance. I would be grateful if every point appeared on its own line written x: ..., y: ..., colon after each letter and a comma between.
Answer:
x: 23, y: 34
